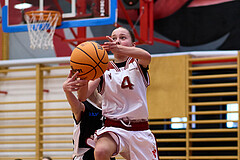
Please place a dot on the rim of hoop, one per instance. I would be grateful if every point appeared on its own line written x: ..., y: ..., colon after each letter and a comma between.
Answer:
x: 45, y: 14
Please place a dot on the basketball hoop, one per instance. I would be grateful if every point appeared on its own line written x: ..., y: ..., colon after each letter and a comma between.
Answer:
x: 41, y: 27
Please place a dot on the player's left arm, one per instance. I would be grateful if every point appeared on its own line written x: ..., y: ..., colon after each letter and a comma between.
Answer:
x: 70, y: 85
x: 87, y: 89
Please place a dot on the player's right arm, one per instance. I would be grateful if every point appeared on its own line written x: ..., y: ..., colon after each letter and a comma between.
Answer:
x: 143, y: 56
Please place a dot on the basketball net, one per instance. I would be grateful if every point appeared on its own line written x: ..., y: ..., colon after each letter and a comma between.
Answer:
x: 41, y: 28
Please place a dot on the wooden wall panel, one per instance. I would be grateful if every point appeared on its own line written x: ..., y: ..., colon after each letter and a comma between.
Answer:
x: 167, y: 90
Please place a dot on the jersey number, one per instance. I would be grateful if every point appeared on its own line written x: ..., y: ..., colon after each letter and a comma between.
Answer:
x: 126, y: 83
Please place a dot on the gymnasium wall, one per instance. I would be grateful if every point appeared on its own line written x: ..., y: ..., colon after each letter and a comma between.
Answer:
x: 24, y: 115
x: 36, y: 121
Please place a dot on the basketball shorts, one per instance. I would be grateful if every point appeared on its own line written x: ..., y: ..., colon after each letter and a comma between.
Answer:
x: 131, y: 145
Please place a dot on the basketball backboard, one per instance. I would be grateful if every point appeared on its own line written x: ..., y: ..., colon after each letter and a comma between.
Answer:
x: 75, y: 13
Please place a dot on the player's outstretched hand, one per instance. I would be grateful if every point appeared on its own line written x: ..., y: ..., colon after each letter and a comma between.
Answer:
x: 73, y: 83
x: 111, y: 45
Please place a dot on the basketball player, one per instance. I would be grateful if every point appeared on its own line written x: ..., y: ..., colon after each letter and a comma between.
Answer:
x: 47, y: 158
x: 87, y: 117
x: 124, y: 106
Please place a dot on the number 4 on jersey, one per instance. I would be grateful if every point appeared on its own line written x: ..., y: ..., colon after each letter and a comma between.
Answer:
x: 126, y: 83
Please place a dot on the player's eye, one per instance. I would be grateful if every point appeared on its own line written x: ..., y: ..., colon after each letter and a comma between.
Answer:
x: 123, y: 38
x: 114, y: 38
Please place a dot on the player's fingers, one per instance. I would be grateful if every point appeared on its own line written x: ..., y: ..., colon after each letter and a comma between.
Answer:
x: 75, y: 86
x: 74, y: 89
x: 82, y: 82
x: 109, y: 44
x: 109, y: 39
x: 70, y: 74
x: 106, y: 47
x: 75, y: 75
x: 78, y: 83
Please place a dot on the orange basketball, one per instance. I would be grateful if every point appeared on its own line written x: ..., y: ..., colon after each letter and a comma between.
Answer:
x: 90, y: 59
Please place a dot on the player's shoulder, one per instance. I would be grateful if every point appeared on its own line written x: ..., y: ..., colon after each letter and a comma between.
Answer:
x: 90, y: 106
x: 110, y: 65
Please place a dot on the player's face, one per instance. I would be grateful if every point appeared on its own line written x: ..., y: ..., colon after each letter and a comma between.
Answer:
x: 122, y: 37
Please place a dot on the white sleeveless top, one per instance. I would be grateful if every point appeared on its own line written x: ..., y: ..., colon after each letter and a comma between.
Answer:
x: 124, y: 91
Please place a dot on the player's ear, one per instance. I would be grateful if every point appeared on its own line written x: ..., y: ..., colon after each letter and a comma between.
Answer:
x: 134, y: 44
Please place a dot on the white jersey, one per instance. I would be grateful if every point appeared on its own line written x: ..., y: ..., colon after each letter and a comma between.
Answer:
x: 124, y: 91
x: 124, y: 96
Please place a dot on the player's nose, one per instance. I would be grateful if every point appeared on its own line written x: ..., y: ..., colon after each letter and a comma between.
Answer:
x: 117, y: 41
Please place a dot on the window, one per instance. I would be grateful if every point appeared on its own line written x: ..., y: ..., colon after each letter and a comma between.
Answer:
x: 232, y: 116
x: 178, y: 125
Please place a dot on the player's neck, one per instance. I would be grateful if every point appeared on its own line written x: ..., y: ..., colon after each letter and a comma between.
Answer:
x: 120, y: 58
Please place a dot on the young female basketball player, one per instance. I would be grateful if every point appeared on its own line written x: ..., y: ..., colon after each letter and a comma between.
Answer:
x: 87, y: 116
x: 123, y: 88
x: 46, y: 158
